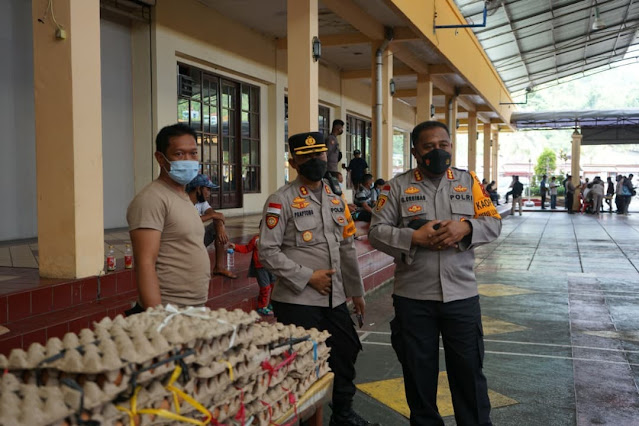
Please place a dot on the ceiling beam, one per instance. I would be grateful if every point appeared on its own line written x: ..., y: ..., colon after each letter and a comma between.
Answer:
x: 466, y: 91
x: 350, y: 12
x: 356, y: 74
x: 330, y: 40
x: 404, y: 34
x: 440, y: 69
x: 406, y: 93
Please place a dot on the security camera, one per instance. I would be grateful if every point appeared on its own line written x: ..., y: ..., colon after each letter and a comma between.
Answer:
x: 528, y: 89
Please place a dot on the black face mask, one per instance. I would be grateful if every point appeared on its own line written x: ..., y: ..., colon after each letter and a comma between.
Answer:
x: 314, y: 169
x: 436, y: 161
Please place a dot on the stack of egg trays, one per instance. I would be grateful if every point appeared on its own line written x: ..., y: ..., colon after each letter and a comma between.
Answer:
x: 31, y: 405
x: 124, y: 351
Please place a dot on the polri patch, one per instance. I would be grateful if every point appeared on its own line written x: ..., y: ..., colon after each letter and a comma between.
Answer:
x: 415, y: 208
x: 301, y: 205
x: 411, y: 190
x: 460, y: 188
x: 272, y: 220
x: 307, y: 236
x: 381, y: 202
x: 335, y: 201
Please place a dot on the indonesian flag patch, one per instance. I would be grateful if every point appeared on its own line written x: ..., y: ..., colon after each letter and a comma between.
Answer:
x: 274, y: 208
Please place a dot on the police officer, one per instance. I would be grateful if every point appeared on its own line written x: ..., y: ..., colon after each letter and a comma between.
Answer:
x: 430, y: 219
x: 306, y: 240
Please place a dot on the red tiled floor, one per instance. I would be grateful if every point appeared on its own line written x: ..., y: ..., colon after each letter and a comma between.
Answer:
x: 41, y: 300
x: 38, y: 336
x: 58, y: 330
x: 89, y: 289
x: 3, y: 309
x: 108, y: 285
x: 62, y: 296
x: 19, y: 306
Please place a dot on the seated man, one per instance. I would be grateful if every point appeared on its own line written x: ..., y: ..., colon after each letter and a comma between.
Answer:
x: 199, y: 190
x: 365, y: 198
x: 491, y: 188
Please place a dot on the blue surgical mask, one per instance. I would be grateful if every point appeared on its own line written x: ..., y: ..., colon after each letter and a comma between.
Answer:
x: 183, y: 171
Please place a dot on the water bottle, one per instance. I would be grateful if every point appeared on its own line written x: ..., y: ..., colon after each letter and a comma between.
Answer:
x: 128, y: 257
x: 110, y: 259
x: 230, y: 259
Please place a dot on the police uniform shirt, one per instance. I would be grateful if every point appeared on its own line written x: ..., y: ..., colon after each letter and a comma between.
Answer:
x: 302, y: 233
x: 424, y: 274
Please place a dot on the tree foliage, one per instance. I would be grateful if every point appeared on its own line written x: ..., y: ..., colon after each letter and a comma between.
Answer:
x: 546, y: 162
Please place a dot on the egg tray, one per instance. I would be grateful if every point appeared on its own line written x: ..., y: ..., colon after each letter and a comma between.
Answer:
x: 109, y: 363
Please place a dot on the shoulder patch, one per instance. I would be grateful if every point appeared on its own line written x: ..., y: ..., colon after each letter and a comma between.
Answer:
x: 449, y: 174
x: 418, y: 175
x: 303, y: 190
x: 381, y: 202
x: 272, y: 221
x: 274, y: 208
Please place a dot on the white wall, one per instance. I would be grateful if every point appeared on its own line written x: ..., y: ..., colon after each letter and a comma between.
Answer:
x: 117, y: 122
x: 18, y: 215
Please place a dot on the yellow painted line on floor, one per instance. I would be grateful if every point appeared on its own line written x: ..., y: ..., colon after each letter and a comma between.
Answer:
x: 620, y: 335
x: 495, y: 326
x: 391, y: 393
x: 500, y: 290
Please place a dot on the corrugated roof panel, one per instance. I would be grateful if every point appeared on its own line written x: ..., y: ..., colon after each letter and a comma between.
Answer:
x: 537, y: 42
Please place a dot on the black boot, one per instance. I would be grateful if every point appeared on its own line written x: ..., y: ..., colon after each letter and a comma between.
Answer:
x: 349, y: 418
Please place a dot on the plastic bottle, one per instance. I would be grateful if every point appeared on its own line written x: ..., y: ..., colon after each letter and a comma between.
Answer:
x: 128, y: 257
x: 230, y: 259
x: 110, y: 259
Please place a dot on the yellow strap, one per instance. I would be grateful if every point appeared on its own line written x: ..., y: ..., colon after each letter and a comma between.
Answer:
x: 133, y: 402
x: 229, y: 366
x: 349, y: 229
x: 160, y: 412
x: 481, y: 201
x: 165, y: 413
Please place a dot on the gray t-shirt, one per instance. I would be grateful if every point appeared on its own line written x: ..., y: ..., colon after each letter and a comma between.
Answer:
x: 332, y: 155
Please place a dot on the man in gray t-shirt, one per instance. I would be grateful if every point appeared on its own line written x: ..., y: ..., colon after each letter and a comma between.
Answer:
x: 333, y: 155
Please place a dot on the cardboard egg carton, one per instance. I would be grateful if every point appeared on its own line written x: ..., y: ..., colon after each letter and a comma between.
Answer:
x: 31, y: 405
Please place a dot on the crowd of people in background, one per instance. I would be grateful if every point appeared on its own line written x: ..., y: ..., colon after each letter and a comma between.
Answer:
x: 593, y: 195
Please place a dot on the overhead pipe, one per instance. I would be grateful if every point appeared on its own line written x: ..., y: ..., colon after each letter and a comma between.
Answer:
x: 482, y: 25
x: 388, y: 34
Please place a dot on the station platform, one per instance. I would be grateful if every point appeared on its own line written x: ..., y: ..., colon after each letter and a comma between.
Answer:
x: 560, y: 305
x: 560, y: 308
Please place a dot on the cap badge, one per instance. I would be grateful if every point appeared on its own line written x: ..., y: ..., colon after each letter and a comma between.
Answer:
x: 310, y: 141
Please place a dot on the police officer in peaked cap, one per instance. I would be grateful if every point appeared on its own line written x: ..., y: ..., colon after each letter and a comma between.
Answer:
x: 306, y: 241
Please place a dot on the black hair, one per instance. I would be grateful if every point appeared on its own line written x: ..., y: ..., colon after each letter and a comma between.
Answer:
x: 367, y: 177
x: 414, y: 135
x: 337, y: 122
x: 380, y: 182
x: 163, y: 138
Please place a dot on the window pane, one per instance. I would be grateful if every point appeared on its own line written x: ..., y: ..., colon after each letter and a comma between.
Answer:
x: 255, y: 152
x: 255, y: 126
x: 206, y: 118
x: 213, y: 119
x: 231, y: 124
x: 225, y: 121
x: 246, y: 103
x: 245, y: 124
x: 225, y: 149
x: 255, y: 99
x: 196, y: 115
x: 232, y: 150
x: 214, y: 149
x: 205, y: 91
x: 183, y: 111
x: 246, y: 149
x: 196, y: 75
